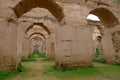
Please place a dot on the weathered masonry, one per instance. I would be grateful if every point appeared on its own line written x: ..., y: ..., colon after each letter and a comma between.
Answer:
x: 59, y: 29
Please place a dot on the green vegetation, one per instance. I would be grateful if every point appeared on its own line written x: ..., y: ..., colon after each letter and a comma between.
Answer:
x: 4, y: 75
x: 35, y: 56
x: 99, y: 57
x: 110, y: 72
x: 21, y: 68
x: 7, y: 74
x: 117, y: 1
x: 117, y: 64
x: 97, y: 53
x: 45, y: 69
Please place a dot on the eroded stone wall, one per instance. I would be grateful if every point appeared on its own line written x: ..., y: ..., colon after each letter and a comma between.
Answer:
x: 74, y: 47
x: 8, y: 51
x: 116, y: 45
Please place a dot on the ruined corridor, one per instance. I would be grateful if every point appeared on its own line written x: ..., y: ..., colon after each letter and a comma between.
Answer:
x: 60, y: 30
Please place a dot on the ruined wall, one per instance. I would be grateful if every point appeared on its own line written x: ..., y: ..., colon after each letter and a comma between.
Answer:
x: 73, y: 16
x: 25, y: 49
x: 116, y: 45
x: 74, y: 47
x: 109, y: 21
x: 115, y: 41
x: 10, y: 57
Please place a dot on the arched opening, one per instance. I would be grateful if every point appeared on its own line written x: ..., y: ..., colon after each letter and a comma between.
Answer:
x: 101, y: 20
x: 26, y: 5
x: 92, y: 17
x: 38, y: 34
x: 38, y: 37
x: 40, y: 25
x: 38, y: 15
x: 36, y: 40
x: 95, y: 22
x: 108, y: 19
x: 37, y: 47
x: 37, y: 30
x: 27, y: 47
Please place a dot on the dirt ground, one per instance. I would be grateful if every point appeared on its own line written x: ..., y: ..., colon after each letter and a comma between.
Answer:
x: 34, y: 72
x: 43, y: 70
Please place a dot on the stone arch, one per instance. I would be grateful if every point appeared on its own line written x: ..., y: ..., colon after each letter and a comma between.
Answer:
x: 37, y: 33
x: 40, y: 38
x: 34, y: 42
x: 106, y: 16
x: 108, y: 22
x: 26, y: 5
x: 37, y: 36
x: 39, y: 24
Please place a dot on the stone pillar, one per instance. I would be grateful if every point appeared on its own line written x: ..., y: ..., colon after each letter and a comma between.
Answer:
x: 20, y: 41
x: 50, y: 47
x: 109, y: 46
x: 25, y: 49
x: 3, y: 51
x: 43, y: 48
x: 47, y: 43
x: 9, y: 58
x: 30, y: 48
x: 40, y: 48
x: 74, y: 47
x: 106, y: 48
x: 116, y: 43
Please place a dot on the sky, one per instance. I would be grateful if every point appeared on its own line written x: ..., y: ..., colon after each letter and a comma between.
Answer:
x: 93, y: 17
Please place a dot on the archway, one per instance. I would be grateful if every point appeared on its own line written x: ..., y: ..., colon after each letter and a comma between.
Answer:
x: 26, y: 5
x: 35, y: 45
x: 94, y: 22
x: 107, y: 22
x: 12, y: 34
x: 39, y: 38
x: 40, y: 25
x: 108, y: 19
x: 36, y: 33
